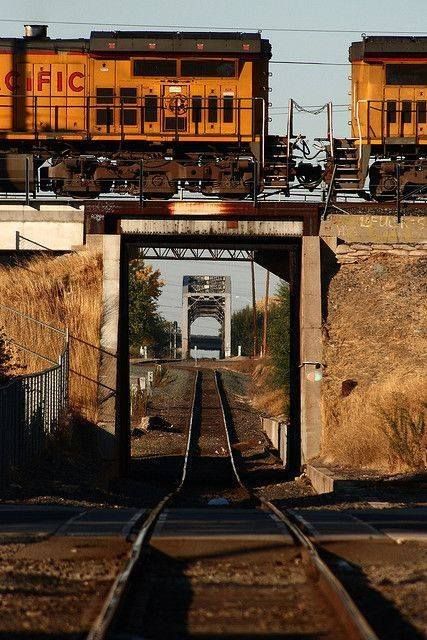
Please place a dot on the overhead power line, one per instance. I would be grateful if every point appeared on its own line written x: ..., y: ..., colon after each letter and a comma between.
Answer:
x: 326, y: 64
x: 212, y: 28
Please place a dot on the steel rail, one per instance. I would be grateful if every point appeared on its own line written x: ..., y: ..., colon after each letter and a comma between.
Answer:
x: 121, y: 585
x: 345, y: 608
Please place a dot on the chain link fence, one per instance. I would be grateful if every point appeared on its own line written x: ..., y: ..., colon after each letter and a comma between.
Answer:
x: 31, y: 407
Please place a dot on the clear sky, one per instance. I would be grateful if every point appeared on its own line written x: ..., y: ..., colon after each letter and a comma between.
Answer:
x: 306, y: 84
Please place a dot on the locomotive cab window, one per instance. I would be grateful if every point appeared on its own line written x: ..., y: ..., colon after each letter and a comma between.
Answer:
x: 128, y: 97
x: 228, y: 109
x: 208, y: 68
x: 155, y: 68
x: 105, y: 116
x: 151, y: 109
x: 406, y: 74
x: 212, y: 109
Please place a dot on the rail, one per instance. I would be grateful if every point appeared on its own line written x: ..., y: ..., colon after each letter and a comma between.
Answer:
x: 118, y: 591
x: 355, y: 624
x: 340, y: 600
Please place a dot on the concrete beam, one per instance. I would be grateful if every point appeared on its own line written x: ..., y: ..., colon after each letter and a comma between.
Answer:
x: 54, y: 227
x: 310, y: 347
x: 191, y: 226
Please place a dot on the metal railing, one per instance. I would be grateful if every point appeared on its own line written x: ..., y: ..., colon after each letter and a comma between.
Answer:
x: 31, y: 407
x: 391, y: 121
x: 126, y: 117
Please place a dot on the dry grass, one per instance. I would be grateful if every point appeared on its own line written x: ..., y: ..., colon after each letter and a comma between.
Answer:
x: 376, y: 335
x: 266, y: 398
x: 62, y: 292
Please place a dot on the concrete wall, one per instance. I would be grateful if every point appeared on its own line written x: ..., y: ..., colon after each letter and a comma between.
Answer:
x: 277, y: 432
x: 310, y: 347
x: 56, y: 227
x: 374, y: 228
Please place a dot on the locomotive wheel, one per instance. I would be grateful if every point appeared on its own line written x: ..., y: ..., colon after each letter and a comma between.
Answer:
x: 382, y: 187
x: 232, y: 196
x: 157, y: 196
x: 383, y: 197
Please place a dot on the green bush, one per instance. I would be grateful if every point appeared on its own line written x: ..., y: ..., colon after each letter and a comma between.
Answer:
x: 278, y: 336
x: 277, y: 333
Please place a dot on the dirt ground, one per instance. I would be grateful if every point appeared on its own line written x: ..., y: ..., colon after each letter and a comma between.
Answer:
x: 389, y: 583
x: 234, y: 594
x: 55, y: 588
x: 171, y: 400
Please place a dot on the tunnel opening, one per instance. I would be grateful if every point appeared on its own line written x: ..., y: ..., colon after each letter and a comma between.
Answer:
x: 281, y: 258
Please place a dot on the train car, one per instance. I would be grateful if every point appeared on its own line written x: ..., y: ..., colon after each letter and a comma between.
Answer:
x: 388, y: 141
x: 136, y: 111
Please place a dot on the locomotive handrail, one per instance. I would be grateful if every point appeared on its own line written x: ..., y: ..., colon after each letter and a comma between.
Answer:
x: 41, y: 117
x: 380, y: 107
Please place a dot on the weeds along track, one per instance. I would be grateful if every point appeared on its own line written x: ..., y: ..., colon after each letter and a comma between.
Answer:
x: 203, y: 571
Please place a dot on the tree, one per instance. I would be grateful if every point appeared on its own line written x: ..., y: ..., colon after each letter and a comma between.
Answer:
x: 278, y: 335
x: 146, y: 326
x: 242, y: 330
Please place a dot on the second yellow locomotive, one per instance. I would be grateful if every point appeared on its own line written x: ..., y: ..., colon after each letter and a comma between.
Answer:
x: 388, y: 143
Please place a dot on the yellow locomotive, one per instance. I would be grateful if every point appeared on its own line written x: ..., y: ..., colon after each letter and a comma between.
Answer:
x: 388, y: 120
x: 131, y: 111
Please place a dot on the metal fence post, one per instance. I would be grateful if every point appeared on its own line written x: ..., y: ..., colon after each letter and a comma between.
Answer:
x: 27, y: 180
x: 255, y: 182
x: 398, y: 202
x: 141, y: 182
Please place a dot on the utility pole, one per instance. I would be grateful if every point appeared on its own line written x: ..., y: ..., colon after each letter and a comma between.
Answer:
x: 254, y: 319
x: 175, y: 331
x: 264, y: 329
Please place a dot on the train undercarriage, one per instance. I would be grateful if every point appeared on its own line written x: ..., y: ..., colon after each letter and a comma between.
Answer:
x: 225, y: 172
x: 153, y: 175
x: 376, y: 173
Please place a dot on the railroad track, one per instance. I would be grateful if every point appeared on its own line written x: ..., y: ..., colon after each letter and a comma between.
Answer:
x: 184, y: 575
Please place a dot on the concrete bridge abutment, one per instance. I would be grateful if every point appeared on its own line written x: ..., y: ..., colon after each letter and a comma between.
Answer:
x: 311, y: 365
x: 113, y: 407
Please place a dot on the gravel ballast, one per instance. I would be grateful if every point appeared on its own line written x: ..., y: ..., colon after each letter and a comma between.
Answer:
x: 55, y: 588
